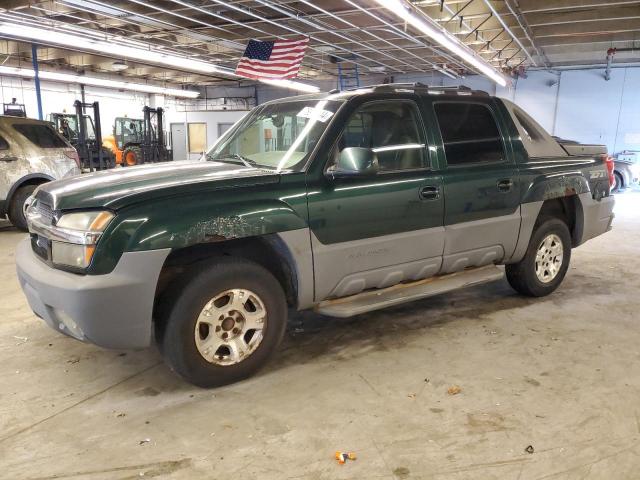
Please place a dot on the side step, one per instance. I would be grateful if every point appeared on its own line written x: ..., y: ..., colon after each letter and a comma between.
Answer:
x: 407, y: 292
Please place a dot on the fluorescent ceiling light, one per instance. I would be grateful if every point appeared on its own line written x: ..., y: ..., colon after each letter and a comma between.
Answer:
x: 401, y: 9
x: 100, y: 47
x: 97, y: 82
x: 119, y: 49
x: 301, y: 87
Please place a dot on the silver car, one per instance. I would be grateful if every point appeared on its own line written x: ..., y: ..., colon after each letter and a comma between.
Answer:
x: 626, y: 170
x: 31, y: 153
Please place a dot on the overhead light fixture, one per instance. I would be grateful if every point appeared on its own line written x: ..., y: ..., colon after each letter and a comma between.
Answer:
x: 300, y: 87
x: 97, y: 82
x: 78, y: 42
x: 118, y: 66
x: 438, y: 35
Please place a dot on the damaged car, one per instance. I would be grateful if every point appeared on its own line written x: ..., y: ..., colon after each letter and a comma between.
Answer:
x: 31, y: 153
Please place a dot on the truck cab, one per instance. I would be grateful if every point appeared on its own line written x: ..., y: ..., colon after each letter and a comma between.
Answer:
x: 342, y: 202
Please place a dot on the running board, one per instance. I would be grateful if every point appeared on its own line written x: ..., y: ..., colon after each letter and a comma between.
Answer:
x: 407, y: 292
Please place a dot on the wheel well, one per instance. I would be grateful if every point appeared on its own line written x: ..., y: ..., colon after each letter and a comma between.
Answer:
x: 619, y: 173
x: 268, y: 251
x: 23, y: 183
x: 564, y: 208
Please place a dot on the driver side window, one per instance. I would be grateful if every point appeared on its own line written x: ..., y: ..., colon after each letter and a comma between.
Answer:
x: 391, y: 129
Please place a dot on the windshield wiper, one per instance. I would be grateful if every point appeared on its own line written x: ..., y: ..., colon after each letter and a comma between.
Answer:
x: 247, y: 162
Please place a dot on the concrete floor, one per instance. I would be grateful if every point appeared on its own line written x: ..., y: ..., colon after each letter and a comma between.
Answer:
x: 561, y: 374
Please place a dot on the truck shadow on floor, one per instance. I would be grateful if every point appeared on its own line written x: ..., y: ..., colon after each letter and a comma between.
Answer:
x: 311, y: 337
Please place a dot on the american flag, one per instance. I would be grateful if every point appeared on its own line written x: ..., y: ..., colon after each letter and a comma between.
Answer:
x: 272, y: 60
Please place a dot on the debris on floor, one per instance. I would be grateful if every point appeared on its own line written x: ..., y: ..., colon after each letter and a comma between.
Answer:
x: 146, y: 440
x: 454, y: 390
x: 412, y: 395
x: 529, y: 449
x: 342, y: 457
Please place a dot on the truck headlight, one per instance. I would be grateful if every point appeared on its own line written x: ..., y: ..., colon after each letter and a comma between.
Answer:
x: 81, y: 230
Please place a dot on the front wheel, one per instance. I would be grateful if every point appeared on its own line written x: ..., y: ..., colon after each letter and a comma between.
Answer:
x: 224, y: 323
x: 546, y: 261
x: 16, y: 207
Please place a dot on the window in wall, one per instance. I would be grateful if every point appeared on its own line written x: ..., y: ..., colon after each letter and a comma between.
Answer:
x: 197, y: 137
x: 469, y: 132
x: 392, y: 130
x: 44, y: 136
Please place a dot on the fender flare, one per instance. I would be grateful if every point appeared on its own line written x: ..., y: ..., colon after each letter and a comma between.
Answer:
x: 24, y: 180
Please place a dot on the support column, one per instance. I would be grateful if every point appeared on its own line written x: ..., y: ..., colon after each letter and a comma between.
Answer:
x: 34, y: 58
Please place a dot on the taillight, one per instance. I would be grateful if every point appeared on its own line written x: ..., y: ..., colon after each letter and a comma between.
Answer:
x: 608, y: 162
x: 73, y: 155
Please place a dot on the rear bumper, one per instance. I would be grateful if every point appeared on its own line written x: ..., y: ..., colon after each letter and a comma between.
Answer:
x: 112, y: 311
x: 598, y: 216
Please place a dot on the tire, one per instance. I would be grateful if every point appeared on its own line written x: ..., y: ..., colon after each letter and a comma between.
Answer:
x: 184, y: 330
x: 618, y: 186
x: 131, y: 156
x: 522, y: 276
x: 16, y: 207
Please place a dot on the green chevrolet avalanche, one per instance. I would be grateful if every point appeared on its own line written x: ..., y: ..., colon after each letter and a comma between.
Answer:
x: 343, y: 202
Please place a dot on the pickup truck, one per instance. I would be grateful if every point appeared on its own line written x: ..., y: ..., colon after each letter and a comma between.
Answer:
x: 341, y: 202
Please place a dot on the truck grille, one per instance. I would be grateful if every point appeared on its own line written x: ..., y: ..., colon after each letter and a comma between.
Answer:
x: 44, y: 211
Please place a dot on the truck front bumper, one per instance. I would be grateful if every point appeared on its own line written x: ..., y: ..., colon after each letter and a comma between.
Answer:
x: 112, y: 311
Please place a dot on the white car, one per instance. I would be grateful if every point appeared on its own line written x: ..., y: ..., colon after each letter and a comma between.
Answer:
x: 626, y: 170
x: 31, y: 153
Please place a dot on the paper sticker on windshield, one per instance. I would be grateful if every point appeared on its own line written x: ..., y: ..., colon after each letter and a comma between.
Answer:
x: 315, y: 114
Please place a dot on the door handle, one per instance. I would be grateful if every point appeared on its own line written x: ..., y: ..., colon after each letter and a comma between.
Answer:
x: 430, y: 193
x: 505, y: 185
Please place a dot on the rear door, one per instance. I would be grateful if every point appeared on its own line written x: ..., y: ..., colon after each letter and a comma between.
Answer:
x: 482, y: 200
x: 375, y: 231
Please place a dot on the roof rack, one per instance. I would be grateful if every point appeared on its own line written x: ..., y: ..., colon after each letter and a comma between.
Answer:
x: 460, y: 89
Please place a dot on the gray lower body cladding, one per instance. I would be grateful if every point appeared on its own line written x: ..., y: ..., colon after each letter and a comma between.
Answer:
x: 112, y: 311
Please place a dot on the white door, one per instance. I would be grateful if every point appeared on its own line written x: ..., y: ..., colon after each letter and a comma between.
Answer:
x: 179, y: 141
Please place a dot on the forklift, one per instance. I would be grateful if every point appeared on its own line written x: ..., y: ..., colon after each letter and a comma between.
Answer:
x: 139, y: 141
x: 14, y: 109
x: 85, y: 136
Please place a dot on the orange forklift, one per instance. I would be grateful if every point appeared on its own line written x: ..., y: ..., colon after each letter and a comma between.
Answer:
x: 137, y: 141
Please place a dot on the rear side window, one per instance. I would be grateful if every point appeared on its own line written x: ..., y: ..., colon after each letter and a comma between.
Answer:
x: 43, y: 136
x: 3, y: 144
x: 469, y: 132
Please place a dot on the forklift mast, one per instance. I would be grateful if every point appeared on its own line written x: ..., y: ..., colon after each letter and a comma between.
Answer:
x: 153, y: 145
x: 90, y: 151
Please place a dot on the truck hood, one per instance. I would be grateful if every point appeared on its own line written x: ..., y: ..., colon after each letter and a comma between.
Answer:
x: 122, y: 186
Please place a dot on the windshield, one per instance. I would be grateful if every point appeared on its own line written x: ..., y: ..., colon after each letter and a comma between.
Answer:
x: 279, y: 136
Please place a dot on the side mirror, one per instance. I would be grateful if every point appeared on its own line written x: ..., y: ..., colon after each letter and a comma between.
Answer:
x: 355, y: 161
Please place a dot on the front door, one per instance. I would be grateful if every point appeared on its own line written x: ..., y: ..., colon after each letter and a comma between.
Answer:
x: 179, y: 141
x: 373, y: 231
x: 482, y: 212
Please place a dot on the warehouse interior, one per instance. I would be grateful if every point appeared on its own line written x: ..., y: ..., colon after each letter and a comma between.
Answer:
x: 479, y: 382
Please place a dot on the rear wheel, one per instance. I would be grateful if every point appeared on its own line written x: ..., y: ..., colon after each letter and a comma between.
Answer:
x: 131, y: 156
x: 224, y: 323
x: 546, y: 261
x: 618, y: 183
x: 16, y: 208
